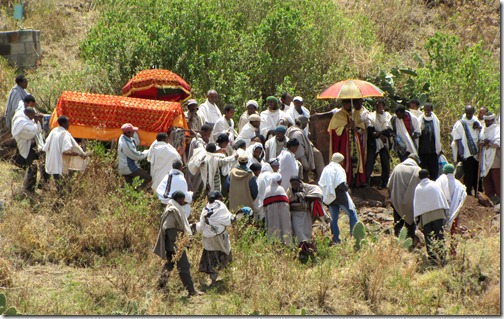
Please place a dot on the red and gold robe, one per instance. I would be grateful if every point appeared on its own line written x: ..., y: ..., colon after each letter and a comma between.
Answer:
x: 349, y: 143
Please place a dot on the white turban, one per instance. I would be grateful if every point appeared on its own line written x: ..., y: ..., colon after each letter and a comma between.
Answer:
x: 489, y: 117
x: 338, y: 157
x: 252, y: 102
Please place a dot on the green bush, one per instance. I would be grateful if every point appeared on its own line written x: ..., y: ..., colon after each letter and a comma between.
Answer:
x: 244, y: 49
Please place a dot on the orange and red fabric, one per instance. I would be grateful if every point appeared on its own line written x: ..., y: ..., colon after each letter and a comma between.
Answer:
x: 100, y: 117
x: 158, y: 84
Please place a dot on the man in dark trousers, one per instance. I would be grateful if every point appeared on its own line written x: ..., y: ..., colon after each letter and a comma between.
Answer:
x: 173, y: 225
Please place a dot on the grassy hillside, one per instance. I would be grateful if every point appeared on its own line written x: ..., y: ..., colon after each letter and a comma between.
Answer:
x: 92, y: 254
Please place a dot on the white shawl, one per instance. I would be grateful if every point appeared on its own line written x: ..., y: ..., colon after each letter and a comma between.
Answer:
x: 222, y: 126
x: 24, y: 131
x: 161, y: 156
x: 288, y: 167
x: 455, y: 193
x: 210, y: 112
x: 178, y: 183
x: 332, y: 176
x: 247, y: 133
x: 291, y: 114
x: 263, y: 181
x: 250, y: 151
x: 380, y: 122
x: 437, y: 131
x: 269, y: 121
x: 428, y: 197
x: 491, y: 133
x: 403, y: 133
x: 271, y: 145
x: 219, y: 219
x: 458, y: 133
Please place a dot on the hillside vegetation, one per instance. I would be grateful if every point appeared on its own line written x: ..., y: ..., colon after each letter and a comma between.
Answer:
x: 92, y: 254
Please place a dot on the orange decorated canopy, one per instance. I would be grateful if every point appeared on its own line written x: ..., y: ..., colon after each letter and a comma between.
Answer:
x: 100, y: 117
x: 157, y: 84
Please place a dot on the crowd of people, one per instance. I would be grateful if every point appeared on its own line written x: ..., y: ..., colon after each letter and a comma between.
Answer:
x: 267, y: 169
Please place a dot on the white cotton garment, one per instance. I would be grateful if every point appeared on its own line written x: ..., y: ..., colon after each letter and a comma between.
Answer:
x: 428, y: 197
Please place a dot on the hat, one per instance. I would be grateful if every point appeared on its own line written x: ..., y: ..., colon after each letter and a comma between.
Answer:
x: 274, y: 161
x: 415, y: 157
x: 338, y: 157
x: 128, y: 127
x: 281, y: 129
x: 252, y: 102
x: 254, y: 117
x: 302, y: 119
x: 271, y: 98
x: 243, y: 159
x: 191, y: 101
x: 448, y: 169
x: 298, y: 98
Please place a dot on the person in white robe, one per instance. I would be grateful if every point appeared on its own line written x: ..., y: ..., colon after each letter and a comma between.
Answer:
x: 250, y: 130
x: 288, y: 164
x: 225, y: 124
x: 307, y: 154
x: 172, y: 182
x: 161, y: 156
x: 275, y: 145
x: 333, y: 182
x: 277, y: 212
x: 455, y: 193
x: 414, y: 108
x: 263, y: 181
x: 214, y: 219
x: 172, y: 227
x: 298, y: 110
x: 378, y: 142
x: 209, y: 164
x: 16, y: 95
x: 58, y: 143
x: 255, y: 154
x: 405, y: 131
x: 430, y: 206
x: 465, y: 134
x: 24, y: 130
x: 491, y: 157
x: 209, y: 110
x: 429, y: 142
x: 200, y: 142
x: 271, y: 118
x: 252, y: 106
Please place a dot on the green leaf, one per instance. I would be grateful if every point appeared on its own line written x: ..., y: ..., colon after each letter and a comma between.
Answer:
x: 418, y: 59
x: 408, y: 71
x: 2, y: 310
x: 3, y: 300
x: 11, y: 311
x: 303, y: 312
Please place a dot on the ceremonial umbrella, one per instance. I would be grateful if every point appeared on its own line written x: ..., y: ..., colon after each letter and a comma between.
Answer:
x: 351, y: 89
x: 158, y: 84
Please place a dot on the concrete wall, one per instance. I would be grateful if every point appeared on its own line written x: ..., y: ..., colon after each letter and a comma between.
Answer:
x: 21, y: 48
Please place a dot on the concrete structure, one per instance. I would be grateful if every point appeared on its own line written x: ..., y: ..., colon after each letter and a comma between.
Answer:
x: 21, y: 48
